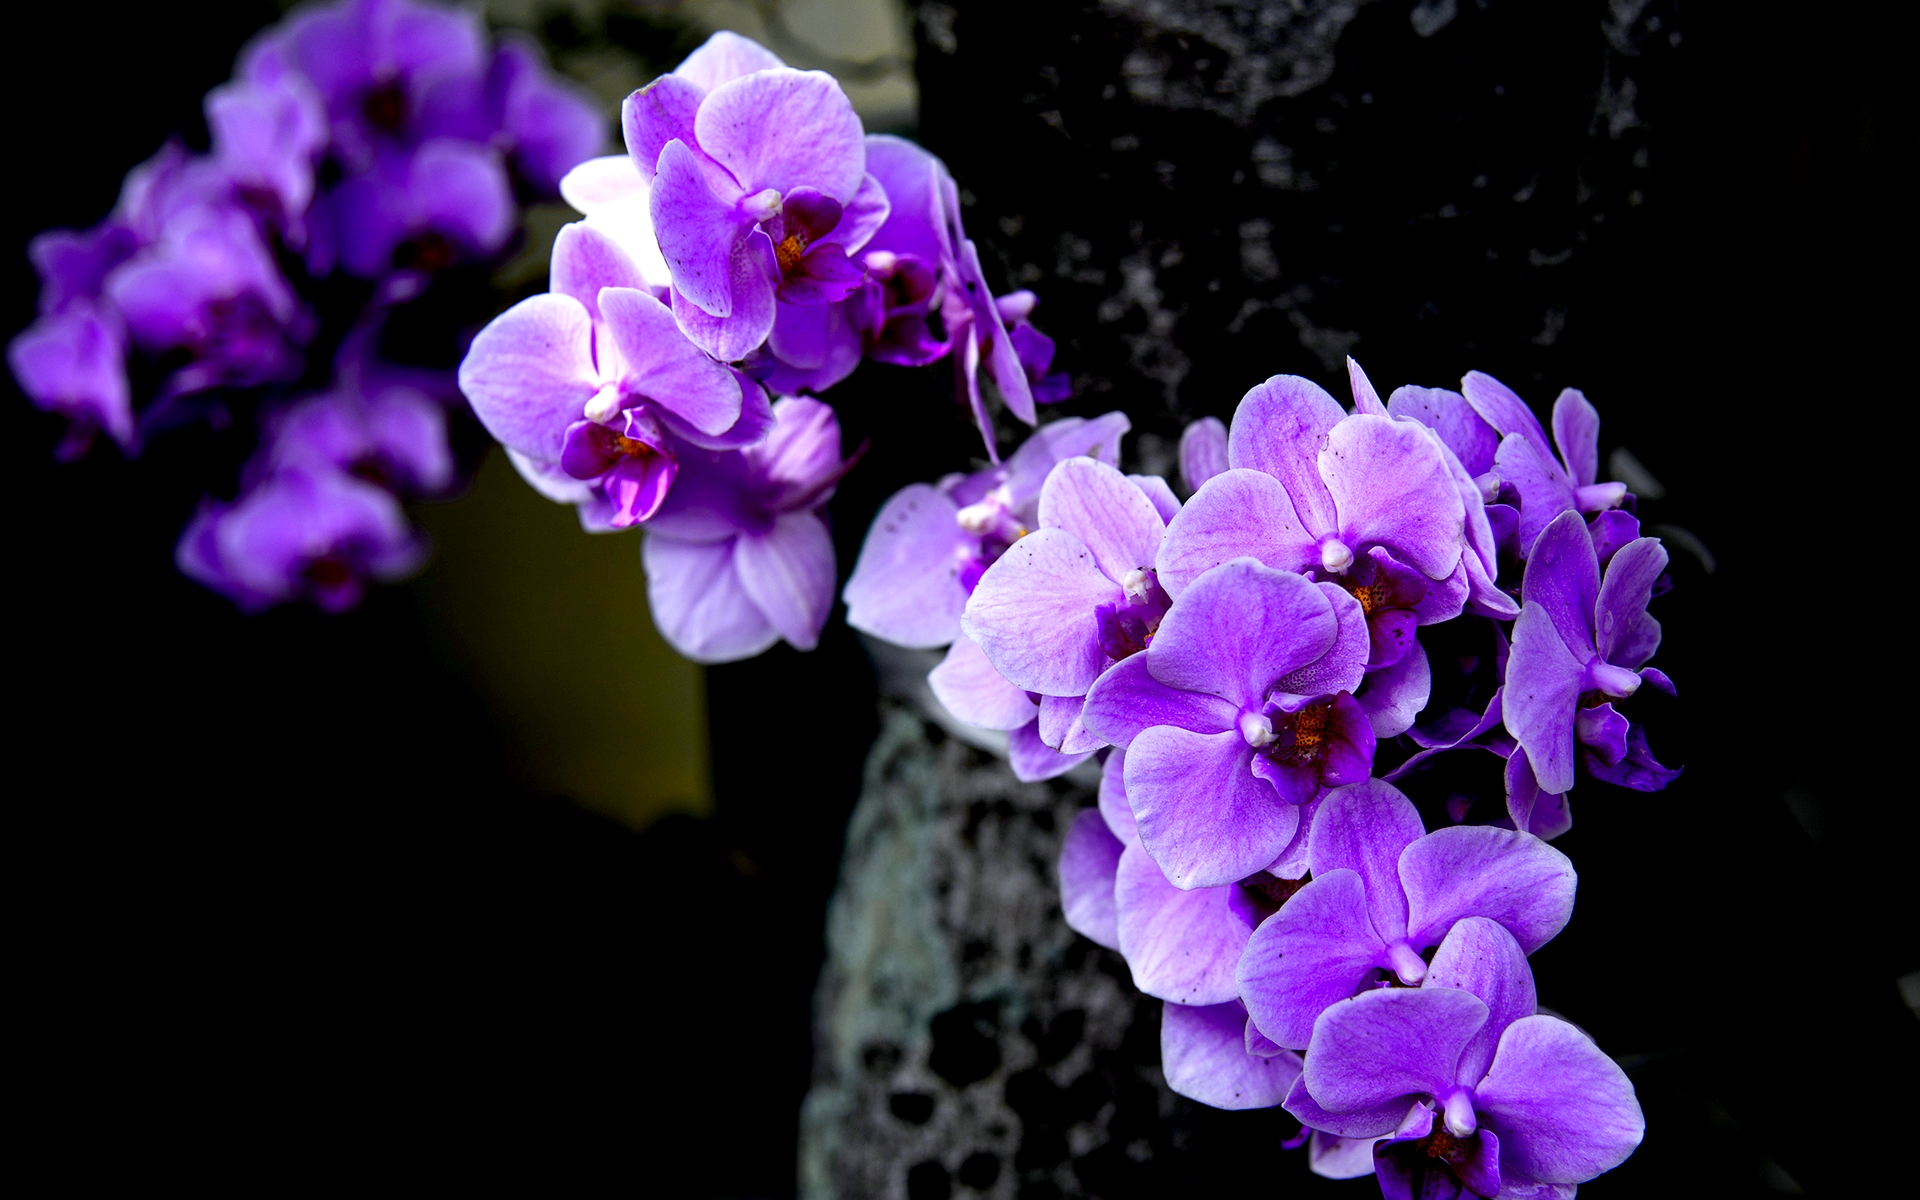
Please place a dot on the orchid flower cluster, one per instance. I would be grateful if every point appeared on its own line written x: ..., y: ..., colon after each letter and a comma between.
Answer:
x: 376, y: 142
x: 752, y: 246
x: 1248, y: 663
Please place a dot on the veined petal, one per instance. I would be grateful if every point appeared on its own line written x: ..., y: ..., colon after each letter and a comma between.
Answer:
x: 1508, y: 414
x: 1480, y: 956
x: 1363, y: 828
x: 1279, y: 429
x: 1627, y: 636
x: 1113, y: 796
x: 1089, y: 862
x: 586, y: 260
x: 1112, y: 518
x: 1479, y: 871
x: 725, y: 56
x: 1033, y: 614
x: 1390, y: 1046
x: 976, y: 694
x: 664, y: 367
x: 1563, y: 580
x: 1033, y: 761
x: 1239, y: 629
x: 754, y: 279
x: 1564, y: 1111
x: 1576, y: 430
x: 659, y: 113
x: 1391, y: 487
x: 1344, y: 664
x: 697, y: 603
x: 698, y: 231
x: 780, y: 128
x: 530, y: 373
x: 788, y: 574
x: 1181, y: 945
x: 1128, y: 699
x: 1541, y: 694
x: 906, y: 583
x: 1318, y: 950
x: 1238, y: 513
x: 1206, y: 818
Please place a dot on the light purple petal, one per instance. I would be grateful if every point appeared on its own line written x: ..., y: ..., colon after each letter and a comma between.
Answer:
x: 754, y: 277
x: 1394, y: 697
x: 788, y: 573
x: 1204, y: 1055
x: 1365, y: 398
x: 1128, y: 699
x: 756, y: 420
x: 1481, y: 957
x: 1028, y: 467
x: 906, y: 584
x: 1479, y: 871
x: 1388, y: 1046
x: 697, y: 231
x: 586, y: 260
x: 697, y: 602
x: 1366, y: 1123
x: 1576, y: 430
x: 659, y: 113
x: 1089, y: 861
x: 1540, y: 698
x: 1110, y: 516
x: 1203, y: 452
x: 1543, y: 814
x: 725, y: 56
x: 824, y: 275
x: 1627, y: 636
x: 1240, y: 628
x: 1236, y: 514
x: 1159, y: 494
x: 1205, y: 816
x: 1033, y: 760
x: 1318, y: 950
x: 1564, y: 1111
x: 664, y: 368
x: 1331, y: 1156
x: 862, y: 216
x: 1448, y: 414
x: 1279, y: 429
x: 530, y: 373
x: 1602, y: 730
x: 1392, y: 487
x: 976, y: 694
x: 1181, y: 945
x: 462, y: 190
x: 1033, y: 614
x: 1344, y: 663
x: 1113, y: 797
x: 1363, y: 828
x: 818, y: 142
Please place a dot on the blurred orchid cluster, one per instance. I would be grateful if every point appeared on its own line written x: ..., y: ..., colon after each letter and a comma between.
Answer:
x: 362, y: 148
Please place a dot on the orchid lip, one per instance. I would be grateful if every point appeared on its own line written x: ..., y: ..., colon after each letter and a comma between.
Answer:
x: 1335, y: 557
x: 1461, y: 1120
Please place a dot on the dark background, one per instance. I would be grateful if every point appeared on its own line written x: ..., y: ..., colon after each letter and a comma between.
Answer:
x: 275, y: 917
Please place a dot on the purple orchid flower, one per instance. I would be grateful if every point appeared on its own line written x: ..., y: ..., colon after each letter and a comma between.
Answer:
x: 549, y: 125
x: 422, y: 208
x: 1385, y: 891
x: 930, y: 543
x: 395, y: 437
x: 375, y: 65
x: 73, y: 362
x: 744, y: 219
x: 1481, y: 1094
x: 1240, y: 711
x: 593, y: 376
x: 1314, y: 490
x: 300, y: 535
x: 267, y: 137
x: 739, y: 556
x: 1548, y: 486
x: 1203, y: 452
x: 1579, y: 645
x: 1074, y: 596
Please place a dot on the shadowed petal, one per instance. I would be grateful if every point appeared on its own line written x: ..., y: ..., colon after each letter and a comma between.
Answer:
x: 1033, y: 760
x: 1544, y: 492
x: 1481, y: 957
x: 1318, y: 950
x: 1205, y: 816
x: 1344, y: 663
x: 697, y: 231
x: 788, y: 573
x: 1060, y: 725
x: 1448, y: 414
x: 1113, y: 797
x: 966, y: 683
x: 659, y: 113
x: 1181, y: 945
x: 1563, y: 579
x: 1089, y: 860
x: 586, y: 260
x: 1203, y: 452
x: 754, y: 276
x: 1393, y: 697
x: 1540, y: 697
x: 664, y: 367
x: 1204, y: 1055
x: 1627, y: 636
x: 1509, y: 415
x: 697, y: 602
x: 1367, y: 1123
x: 1576, y: 430
x: 725, y: 56
x: 906, y: 583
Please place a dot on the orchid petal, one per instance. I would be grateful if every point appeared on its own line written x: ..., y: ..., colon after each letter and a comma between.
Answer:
x: 1204, y: 815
